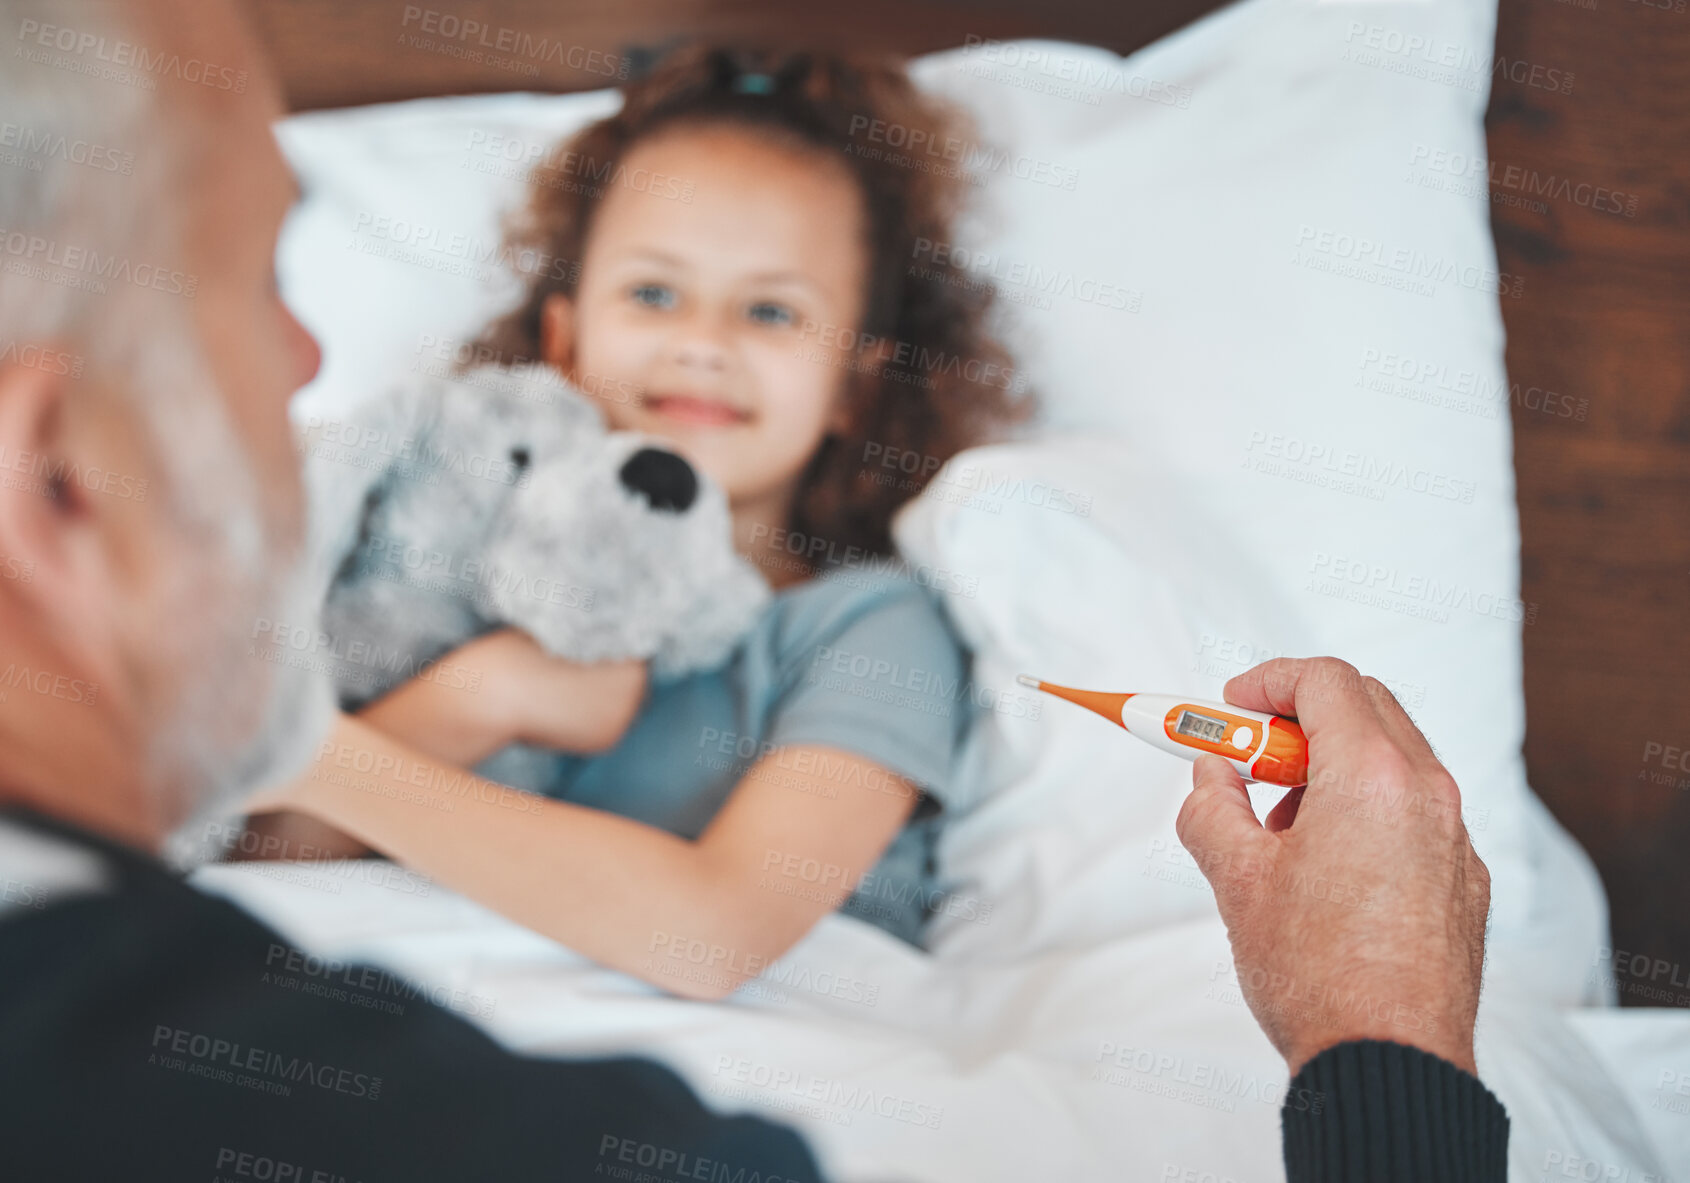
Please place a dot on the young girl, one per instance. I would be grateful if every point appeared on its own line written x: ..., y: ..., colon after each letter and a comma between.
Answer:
x: 759, y: 286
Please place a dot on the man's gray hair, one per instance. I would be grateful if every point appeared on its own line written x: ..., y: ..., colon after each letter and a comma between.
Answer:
x: 79, y: 237
x: 55, y: 121
x: 75, y: 237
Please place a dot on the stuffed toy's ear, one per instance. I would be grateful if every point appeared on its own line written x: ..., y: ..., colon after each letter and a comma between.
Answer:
x: 346, y: 461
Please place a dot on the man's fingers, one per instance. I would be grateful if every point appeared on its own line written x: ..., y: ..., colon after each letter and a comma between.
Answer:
x: 1356, y: 729
x: 1284, y: 813
x: 1478, y: 880
x: 1326, y: 693
x: 1321, y: 693
x: 1397, y: 723
x: 1216, y: 823
x: 1270, y: 686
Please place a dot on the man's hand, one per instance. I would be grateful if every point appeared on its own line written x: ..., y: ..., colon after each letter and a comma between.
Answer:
x: 1358, y: 911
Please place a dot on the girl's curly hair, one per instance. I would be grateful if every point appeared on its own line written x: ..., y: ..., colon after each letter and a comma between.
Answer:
x: 927, y: 378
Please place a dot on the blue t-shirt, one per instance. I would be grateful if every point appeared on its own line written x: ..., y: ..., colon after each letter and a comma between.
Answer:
x: 862, y: 662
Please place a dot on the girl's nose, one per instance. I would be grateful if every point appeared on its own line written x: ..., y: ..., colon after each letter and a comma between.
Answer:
x: 700, y: 346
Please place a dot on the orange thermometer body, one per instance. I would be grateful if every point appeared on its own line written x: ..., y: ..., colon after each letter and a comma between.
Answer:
x: 1262, y: 747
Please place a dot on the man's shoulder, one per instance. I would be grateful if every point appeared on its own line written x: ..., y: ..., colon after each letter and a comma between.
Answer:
x: 193, y: 1032
x: 164, y: 966
x: 118, y: 915
x: 157, y: 1005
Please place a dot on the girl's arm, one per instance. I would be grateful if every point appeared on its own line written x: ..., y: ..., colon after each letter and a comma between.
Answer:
x: 496, y: 690
x: 502, y: 688
x: 696, y: 917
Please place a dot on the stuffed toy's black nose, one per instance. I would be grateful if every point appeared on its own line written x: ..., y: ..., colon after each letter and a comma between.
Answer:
x: 662, y: 478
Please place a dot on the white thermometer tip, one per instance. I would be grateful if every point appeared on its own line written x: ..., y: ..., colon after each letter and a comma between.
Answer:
x: 1027, y: 680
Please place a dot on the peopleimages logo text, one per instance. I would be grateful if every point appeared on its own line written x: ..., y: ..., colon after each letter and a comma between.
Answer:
x: 219, y: 1058
x: 127, y: 54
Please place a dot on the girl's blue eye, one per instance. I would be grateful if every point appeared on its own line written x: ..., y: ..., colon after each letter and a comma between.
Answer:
x: 766, y: 313
x: 653, y: 295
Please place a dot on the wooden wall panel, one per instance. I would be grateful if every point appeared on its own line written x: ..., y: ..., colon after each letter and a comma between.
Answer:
x: 1605, y: 504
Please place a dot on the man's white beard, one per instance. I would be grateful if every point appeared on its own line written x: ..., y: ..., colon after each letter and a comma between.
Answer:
x: 212, y: 754
x: 294, y: 706
x: 244, y: 718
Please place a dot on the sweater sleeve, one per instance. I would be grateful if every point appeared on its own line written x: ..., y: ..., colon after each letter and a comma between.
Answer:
x: 1389, y: 1113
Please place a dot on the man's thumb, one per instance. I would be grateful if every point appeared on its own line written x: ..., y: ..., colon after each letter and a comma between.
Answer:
x: 1216, y: 821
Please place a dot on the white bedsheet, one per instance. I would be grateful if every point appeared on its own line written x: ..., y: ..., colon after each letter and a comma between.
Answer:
x: 1133, y: 1059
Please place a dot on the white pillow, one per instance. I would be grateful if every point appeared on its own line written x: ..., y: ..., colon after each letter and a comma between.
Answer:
x: 1296, y: 440
x: 394, y: 258
x: 1177, y: 236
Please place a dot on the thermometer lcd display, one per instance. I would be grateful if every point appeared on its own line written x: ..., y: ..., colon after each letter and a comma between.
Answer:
x: 1202, y: 726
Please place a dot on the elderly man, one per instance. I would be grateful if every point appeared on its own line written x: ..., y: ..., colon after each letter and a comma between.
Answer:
x: 150, y: 511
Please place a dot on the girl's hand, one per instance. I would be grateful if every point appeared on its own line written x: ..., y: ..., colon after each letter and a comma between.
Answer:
x: 502, y: 688
x: 298, y: 794
x: 273, y: 798
x: 493, y: 674
x: 280, y: 816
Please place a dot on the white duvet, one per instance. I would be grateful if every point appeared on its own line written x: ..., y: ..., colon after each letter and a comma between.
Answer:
x: 1131, y: 1059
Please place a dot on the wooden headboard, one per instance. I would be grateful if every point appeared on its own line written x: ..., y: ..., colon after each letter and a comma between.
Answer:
x: 331, y: 53
x: 1604, y: 321
x: 1605, y: 503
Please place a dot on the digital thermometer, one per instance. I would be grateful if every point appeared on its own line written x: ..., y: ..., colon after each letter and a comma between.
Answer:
x: 1260, y: 746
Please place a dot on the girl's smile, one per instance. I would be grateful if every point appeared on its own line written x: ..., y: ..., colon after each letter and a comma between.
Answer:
x: 694, y: 410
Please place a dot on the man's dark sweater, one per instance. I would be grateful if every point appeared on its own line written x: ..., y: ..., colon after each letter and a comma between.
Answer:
x: 1392, y: 1114
x: 142, y: 1037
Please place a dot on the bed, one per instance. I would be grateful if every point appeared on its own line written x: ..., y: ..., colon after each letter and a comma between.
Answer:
x: 1285, y: 193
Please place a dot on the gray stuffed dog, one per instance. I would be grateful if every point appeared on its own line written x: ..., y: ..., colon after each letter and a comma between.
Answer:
x: 452, y: 506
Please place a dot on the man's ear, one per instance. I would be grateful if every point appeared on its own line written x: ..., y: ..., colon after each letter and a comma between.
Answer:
x: 60, y: 516
x: 34, y: 497
x: 557, y: 333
